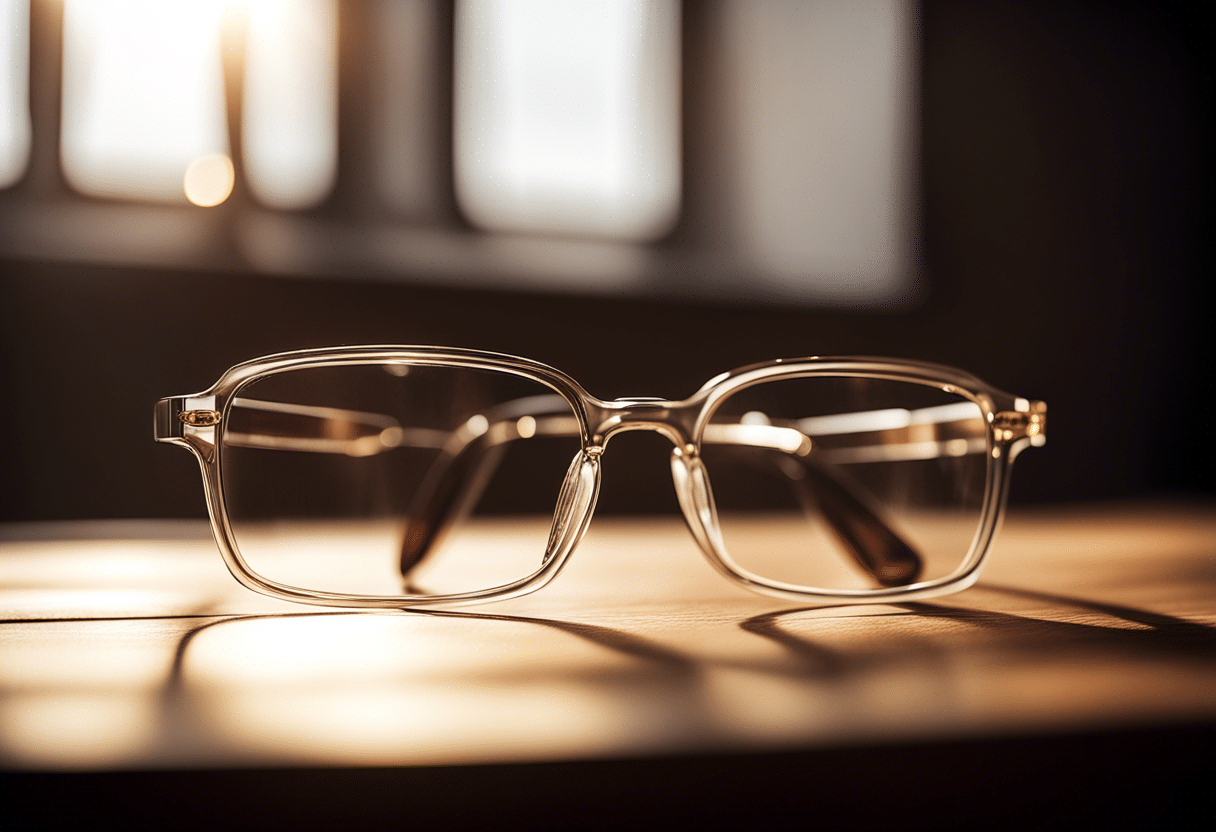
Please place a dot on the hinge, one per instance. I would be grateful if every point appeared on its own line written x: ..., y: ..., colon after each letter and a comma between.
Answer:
x: 199, y: 418
x: 1010, y: 425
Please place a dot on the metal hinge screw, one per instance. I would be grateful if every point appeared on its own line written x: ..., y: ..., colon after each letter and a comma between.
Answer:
x: 199, y: 418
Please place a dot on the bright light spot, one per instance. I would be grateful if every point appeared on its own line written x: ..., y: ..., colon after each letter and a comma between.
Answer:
x: 375, y: 690
x: 143, y: 95
x: 15, y: 131
x: 209, y: 180
x: 77, y: 729
x: 869, y: 420
x: 477, y: 425
x: 754, y: 417
x: 290, y: 108
x: 957, y: 447
x: 720, y: 377
x: 567, y: 115
x: 526, y: 427
x: 945, y: 413
x: 397, y: 369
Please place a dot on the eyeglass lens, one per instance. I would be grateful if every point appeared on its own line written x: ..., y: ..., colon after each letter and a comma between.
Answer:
x: 389, y: 478
x: 386, y: 478
x: 847, y: 483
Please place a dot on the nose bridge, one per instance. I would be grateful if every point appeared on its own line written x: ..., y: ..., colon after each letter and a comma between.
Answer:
x: 674, y: 420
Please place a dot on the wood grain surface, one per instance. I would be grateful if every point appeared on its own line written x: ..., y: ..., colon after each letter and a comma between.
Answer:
x: 126, y: 645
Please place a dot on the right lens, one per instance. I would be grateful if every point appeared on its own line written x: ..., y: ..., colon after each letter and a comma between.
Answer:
x: 394, y: 478
x: 847, y: 483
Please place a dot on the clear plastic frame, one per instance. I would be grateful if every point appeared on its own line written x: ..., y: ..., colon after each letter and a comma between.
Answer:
x: 828, y: 480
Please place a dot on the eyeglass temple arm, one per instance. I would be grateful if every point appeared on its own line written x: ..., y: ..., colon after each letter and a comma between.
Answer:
x: 267, y: 425
x: 271, y: 425
x: 456, y: 479
x: 852, y: 512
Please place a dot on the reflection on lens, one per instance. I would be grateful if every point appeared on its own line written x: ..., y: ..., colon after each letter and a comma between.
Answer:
x: 389, y: 479
x: 843, y: 483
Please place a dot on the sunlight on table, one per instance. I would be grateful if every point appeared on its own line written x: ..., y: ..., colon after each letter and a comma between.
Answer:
x: 140, y: 651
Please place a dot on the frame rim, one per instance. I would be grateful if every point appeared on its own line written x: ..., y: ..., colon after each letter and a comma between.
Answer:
x: 238, y: 377
x: 950, y: 380
x: 700, y: 406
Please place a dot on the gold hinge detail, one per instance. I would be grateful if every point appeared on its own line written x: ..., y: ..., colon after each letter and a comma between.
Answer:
x: 1012, y: 424
x: 199, y: 418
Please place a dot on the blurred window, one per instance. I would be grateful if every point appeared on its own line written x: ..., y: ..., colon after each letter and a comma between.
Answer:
x: 143, y: 95
x: 567, y: 116
x: 144, y: 111
x: 289, y: 132
x: 14, y: 90
x: 554, y: 125
x: 821, y: 98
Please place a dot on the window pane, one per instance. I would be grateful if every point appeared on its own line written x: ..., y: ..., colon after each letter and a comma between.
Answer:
x: 822, y: 103
x: 14, y: 90
x: 567, y: 115
x: 143, y: 96
x: 290, y: 108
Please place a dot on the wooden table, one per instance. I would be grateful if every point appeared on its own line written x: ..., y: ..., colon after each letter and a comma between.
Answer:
x: 126, y: 646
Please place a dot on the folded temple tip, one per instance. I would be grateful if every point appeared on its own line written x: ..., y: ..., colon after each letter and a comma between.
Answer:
x: 898, y: 568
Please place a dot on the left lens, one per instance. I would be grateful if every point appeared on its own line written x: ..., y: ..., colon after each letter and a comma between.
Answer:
x: 837, y: 483
x: 394, y: 478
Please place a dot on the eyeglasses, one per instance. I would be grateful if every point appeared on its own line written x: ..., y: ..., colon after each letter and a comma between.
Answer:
x: 394, y: 477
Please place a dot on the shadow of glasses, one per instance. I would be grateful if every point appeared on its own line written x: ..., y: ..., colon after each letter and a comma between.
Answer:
x: 1156, y: 635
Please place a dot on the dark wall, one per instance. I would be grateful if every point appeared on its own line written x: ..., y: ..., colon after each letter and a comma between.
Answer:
x: 1065, y: 172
